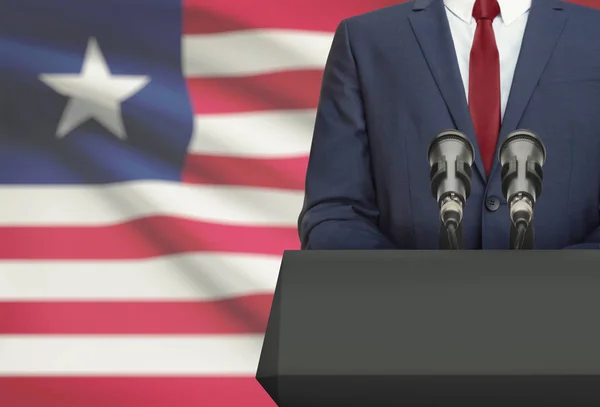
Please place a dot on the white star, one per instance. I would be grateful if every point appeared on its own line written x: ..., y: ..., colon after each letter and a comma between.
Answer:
x: 94, y: 93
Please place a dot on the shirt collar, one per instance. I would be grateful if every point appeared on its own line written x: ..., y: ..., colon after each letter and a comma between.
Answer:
x: 510, y: 10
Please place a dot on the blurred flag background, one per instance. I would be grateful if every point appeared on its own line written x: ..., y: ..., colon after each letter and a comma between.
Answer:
x: 152, y: 159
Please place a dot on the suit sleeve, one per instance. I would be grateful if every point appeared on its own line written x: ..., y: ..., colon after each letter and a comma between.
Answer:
x: 339, y: 209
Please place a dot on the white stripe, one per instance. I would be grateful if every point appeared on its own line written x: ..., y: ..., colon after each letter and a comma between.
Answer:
x: 252, y: 52
x: 180, y: 277
x: 271, y: 134
x: 212, y: 355
x: 109, y: 204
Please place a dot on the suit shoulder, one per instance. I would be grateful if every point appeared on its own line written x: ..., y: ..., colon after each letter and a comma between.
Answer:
x: 581, y: 11
x: 583, y: 23
x: 375, y: 18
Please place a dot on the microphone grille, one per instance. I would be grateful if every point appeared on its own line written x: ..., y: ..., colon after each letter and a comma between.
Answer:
x: 451, y: 135
x: 522, y: 134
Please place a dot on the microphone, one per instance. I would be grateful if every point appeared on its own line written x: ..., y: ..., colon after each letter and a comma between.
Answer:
x: 522, y: 156
x: 450, y: 156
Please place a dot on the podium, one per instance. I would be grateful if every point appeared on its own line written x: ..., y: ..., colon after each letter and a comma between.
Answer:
x: 434, y: 328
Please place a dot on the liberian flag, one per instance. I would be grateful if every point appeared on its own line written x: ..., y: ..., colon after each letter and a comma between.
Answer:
x: 152, y: 159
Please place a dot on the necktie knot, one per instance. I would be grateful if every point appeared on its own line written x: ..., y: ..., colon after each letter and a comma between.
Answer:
x: 486, y: 10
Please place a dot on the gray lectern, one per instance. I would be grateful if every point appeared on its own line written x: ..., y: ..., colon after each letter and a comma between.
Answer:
x: 435, y: 328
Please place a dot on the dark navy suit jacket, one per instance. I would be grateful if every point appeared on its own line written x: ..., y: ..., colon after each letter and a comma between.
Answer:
x: 392, y: 82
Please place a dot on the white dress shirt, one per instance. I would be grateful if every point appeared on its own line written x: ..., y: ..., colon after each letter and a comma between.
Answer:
x: 509, y: 28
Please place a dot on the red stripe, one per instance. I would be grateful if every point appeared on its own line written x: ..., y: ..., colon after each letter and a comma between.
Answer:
x: 589, y: 3
x: 238, y: 315
x: 284, y: 173
x: 281, y: 90
x: 210, y: 16
x: 142, y: 238
x: 132, y: 392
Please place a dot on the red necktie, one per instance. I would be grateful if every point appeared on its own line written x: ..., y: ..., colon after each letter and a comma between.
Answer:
x: 484, y: 81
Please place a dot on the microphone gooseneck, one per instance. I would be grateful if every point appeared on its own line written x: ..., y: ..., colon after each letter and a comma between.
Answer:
x: 453, y: 236
x: 522, y: 156
x: 520, y: 236
x: 450, y: 157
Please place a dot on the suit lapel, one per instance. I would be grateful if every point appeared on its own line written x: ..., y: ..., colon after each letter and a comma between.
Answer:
x: 544, y: 27
x: 430, y: 25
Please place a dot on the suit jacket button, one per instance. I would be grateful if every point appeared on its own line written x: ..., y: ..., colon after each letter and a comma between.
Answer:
x: 492, y: 203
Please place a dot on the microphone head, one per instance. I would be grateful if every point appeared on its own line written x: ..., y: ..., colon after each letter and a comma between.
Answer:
x: 522, y: 155
x: 451, y: 142
x: 450, y: 157
x: 522, y: 143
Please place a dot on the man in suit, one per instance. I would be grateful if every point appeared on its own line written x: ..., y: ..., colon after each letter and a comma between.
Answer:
x: 398, y: 76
